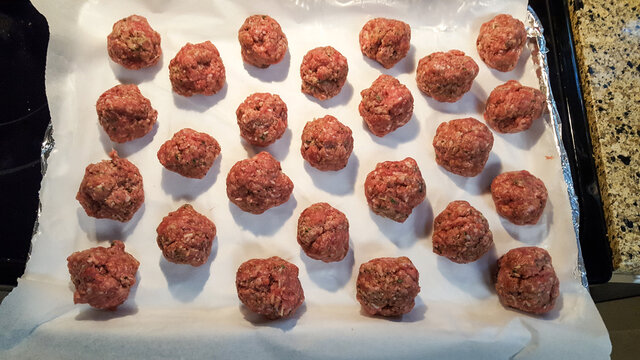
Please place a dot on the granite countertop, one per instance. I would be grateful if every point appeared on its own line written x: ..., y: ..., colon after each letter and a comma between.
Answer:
x: 607, y: 39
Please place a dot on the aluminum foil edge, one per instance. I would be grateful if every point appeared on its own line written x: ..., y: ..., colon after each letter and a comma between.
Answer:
x: 538, y: 46
x: 48, y: 144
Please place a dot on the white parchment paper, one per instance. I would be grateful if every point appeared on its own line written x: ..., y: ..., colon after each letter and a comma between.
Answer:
x: 178, y: 311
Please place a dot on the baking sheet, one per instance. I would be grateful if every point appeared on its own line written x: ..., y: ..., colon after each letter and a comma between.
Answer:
x: 178, y: 311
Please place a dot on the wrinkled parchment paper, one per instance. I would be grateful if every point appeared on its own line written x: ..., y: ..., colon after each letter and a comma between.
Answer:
x: 177, y: 311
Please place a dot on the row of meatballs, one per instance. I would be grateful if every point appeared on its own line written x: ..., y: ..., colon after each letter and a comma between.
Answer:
x: 462, y: 146
x: 198, y: 68
x: 113, y: 189
x: 103, y: 277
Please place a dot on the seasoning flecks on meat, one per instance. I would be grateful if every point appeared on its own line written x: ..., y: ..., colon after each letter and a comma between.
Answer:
x: 462, y: 146
x: 501, y: 41
x: 386, y: 41
x: 197, y: 69
x: 446, y: 76
x: 262, y: 119
x: 527, y: 281
x: 258, y: 184
x: 189, y: 153
x: 262, y: 42
x: 323, y: 232
x: 512, y: 107
x: 327, y: 143
x: 125, y: 114
x: 269, y: 287
x: 519, y: 197
x: 103, y: 277
x: 386, y: 105
x: 394, y: 188
x: 387, y: 286
x: 185, y: 236
x: 461, y: 233
x: 324, y: 72
x: 133, y: 43
x: 111, y: 189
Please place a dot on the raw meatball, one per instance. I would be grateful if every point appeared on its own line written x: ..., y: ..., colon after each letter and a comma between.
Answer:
x: 519, y: 197
x: 394, y: 188
x: 387, y: 286
x: 269, y: 287
x: 262, y: 118
x: 512, y: 107
x: 326, y: 143
x: 102, y: 276
x: 501, y: 41
x: 323, y: 232
x: 133, y: 43
x: 386, y: 41
x: 111, y: 189
x: 462, y: 146
x: 125, y: 114
x: 461, y: 233
x: 323, y: 72
x: 197, y: 69
x: 446, y: 77
x: 262, y: 42
x: 526, y: 280
x: 386, y: 105
x: 189, y: 153
x: 258, y: 184
x: 185, y: 236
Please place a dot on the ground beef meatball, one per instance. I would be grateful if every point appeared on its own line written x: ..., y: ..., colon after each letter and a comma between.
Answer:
x: 258, y: 184
x: 512, y: 107
x: 323, y: 232
x: 387, y: 286
x: 446, y: 77
x: 102, y: 276
x: 462, y: 146
x: 501, y: 41
x: 526, y: 280
x: 519, y: 197
x: 262, y: 118
x: 394, y: 188
x: 189, y: 153
x: 111, y: 189
x: 386, y: 41
x: 461, y: 233
x: 133, y: 43
x: 185, y: 236
x: 197, y: 69
x: 269, y: 287
x: 125, y: 114
x: 262, y: 42
x: 323, y: 72
x: 386, y: 105
x: 326, y: 143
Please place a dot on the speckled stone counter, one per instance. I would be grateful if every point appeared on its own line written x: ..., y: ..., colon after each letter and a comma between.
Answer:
x: 607, y: 37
